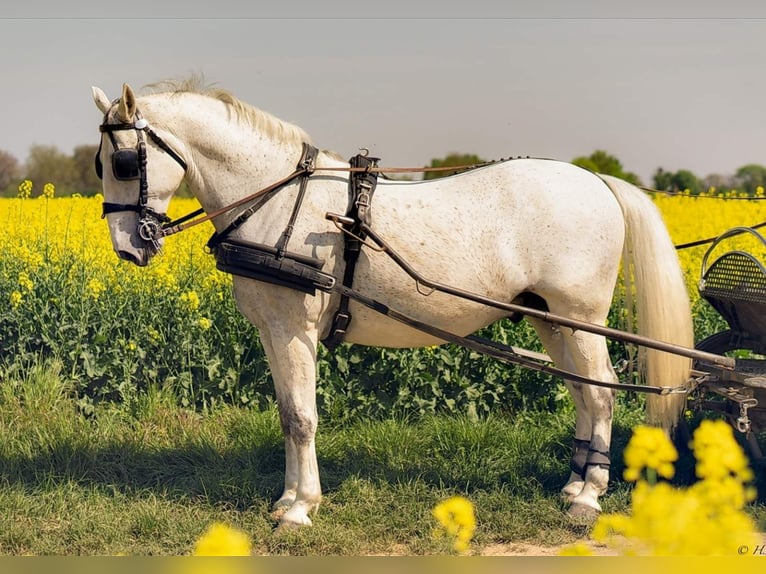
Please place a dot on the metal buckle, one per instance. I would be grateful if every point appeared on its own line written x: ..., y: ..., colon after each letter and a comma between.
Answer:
x: 341, y: 323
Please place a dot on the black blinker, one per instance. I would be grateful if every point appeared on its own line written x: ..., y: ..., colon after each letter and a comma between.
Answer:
x: 99, y: 166
x: 125, y: 164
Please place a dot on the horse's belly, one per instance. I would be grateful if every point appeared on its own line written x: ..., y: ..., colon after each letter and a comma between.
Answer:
x: 455, y: 316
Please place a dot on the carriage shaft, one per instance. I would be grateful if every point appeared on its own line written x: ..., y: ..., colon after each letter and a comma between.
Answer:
x: 575, y: 324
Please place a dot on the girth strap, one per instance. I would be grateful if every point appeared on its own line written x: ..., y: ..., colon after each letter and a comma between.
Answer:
x: 361, y: 188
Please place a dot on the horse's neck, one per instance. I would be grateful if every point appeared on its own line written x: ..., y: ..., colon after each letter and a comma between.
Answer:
x: 229, y: 158
x: 232, y: 167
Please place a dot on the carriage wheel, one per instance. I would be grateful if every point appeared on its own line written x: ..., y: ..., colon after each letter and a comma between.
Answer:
x: 720, y: 344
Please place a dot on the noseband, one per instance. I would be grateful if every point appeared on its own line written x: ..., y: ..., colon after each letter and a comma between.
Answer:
x: 129, y: 164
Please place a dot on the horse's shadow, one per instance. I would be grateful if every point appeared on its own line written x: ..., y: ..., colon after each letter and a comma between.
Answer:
x: 246, y: 475
x: 235, y: 477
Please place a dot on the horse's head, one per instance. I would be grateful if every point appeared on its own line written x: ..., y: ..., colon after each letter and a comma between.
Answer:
x: 139, y: 176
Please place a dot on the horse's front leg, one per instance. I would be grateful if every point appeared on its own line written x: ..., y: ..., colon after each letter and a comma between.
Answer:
x: 292, y: 359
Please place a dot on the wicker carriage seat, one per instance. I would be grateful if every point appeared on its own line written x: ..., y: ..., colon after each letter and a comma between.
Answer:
x: 735, y: 285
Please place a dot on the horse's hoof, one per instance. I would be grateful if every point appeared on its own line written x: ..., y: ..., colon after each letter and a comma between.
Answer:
x: 583, y: 513
x: 278, y: 512
x: 287, y: 525
x: 568, y: 496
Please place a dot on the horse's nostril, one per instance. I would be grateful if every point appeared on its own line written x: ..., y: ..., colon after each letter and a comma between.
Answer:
x: 132, y: 257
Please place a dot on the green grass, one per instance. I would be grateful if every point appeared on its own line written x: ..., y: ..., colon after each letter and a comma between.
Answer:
x: 148, y: 477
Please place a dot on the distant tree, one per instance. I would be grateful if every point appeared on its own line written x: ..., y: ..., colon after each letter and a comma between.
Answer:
x: 749, y: 177
x: 49, y: 164
x: 680, y: 180
x: 85, y: 180
x: 719, y: 183
x: 453, y: 159
x: 9, y: 169
x: 602, y: 162
x: 662, y: 180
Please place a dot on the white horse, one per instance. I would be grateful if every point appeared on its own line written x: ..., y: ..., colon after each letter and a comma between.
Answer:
x: 515, y: 230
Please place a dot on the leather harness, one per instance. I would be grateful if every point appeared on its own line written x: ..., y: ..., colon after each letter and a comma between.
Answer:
x: 362, y: 185
x: 279, y: 266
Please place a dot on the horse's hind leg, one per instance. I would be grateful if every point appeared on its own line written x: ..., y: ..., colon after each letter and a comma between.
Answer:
x: 587, y: 355
x: 591, y: 358
x: 553, y: 341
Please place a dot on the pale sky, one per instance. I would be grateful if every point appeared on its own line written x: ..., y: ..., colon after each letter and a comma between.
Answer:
x: 678, y: 87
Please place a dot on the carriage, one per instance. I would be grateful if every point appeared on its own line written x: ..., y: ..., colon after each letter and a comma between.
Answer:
x: 524, y: 237
x: 734, y: 284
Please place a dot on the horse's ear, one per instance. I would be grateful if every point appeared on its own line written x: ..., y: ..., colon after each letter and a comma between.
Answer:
x: 127, y: 106
x: 102, y: 102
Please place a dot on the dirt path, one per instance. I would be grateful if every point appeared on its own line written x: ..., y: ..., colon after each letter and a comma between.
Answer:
x: 524, y: 549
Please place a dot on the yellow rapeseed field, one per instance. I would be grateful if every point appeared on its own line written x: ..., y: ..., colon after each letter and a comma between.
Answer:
x: 692, y: 218
x: 64, y: 293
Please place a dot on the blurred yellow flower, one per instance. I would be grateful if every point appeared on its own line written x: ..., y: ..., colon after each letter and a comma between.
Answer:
x: 649, y: 448
x: 704, y: 519
x: 49, y: 190
x: 457, y: 519
x: 204, y: 323
x: 718, y: 454
x: 222, y: 540
x: 154, y: 335
x: 578, y: 549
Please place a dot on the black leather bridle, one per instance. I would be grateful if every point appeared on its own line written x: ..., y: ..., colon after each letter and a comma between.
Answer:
x: 130, y: 164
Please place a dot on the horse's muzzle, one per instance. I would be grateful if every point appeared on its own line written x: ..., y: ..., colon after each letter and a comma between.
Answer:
x: 140, y: 261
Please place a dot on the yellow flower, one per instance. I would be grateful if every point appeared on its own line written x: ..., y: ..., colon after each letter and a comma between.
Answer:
x: 650, y: 448
x: 49, y: 190
x: 457, y: 519
x: 16, y: 299
x: 704, y: 519
x: 25, y: 189
x: 222, y: 540
x: 190, y: 300
x: 95, y: 288
x: 204, y: 323
x: 25, y: 282
x: 718, y: 454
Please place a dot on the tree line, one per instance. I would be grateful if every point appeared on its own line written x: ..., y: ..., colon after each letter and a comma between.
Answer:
x: 75, y: 174
x: 47, y: 164
x: 748, y: 179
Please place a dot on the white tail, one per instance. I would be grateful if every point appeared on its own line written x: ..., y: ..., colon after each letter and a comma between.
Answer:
x: 662, y: 302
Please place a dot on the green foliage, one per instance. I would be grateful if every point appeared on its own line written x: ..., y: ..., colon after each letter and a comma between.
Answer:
x: 680, y: 180
x: 372, y: 382
x: 602, y: 162
x: 84, y: 178
x: 9, y: 169
x: 750, y: 177
x: 116, y: 348
x: 453, y: 159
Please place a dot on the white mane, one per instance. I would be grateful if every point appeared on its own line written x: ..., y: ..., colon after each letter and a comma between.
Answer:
x: 263, y: 121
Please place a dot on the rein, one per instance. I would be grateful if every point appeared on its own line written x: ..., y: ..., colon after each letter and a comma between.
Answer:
x: 180, y: 224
